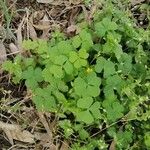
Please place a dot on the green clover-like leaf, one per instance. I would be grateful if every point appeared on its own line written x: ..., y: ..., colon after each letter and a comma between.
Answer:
x: 85, y: 116
x: 83, y: 54
x: 79, y: 63
x: 43, y: 99
x: 80, y: 86
x: 64, y: 47
x: 113, y: 108
x: 86, y: 38
x: 68, y: 67
x: 79, y: 59
x: 100, y: 29
x: 57, y: 71
x: 85, y: 102
x: 60, y: 60
x: 104, y: 26
x: 87, y: 86
x: 100, y: 64
x: 95, y: 110
x: 73, y: 56
x: 32, y: 76
x: 76, y: 41
x: 109, y: 69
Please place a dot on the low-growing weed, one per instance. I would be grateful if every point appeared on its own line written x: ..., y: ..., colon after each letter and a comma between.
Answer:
x: 96, y: 82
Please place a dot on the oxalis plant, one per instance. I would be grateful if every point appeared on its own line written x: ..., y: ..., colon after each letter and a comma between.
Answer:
x: 97, y: 83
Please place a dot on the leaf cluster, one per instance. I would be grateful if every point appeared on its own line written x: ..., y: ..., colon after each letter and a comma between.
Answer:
x: 100, y: 77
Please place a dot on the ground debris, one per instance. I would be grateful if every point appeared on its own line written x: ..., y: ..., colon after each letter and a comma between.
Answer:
x: 3, y: 55
x: 14, y: 132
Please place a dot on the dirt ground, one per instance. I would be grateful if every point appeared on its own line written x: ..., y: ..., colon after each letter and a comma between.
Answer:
x: 21, y: 126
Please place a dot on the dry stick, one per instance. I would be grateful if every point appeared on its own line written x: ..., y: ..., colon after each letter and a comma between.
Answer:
x: 44, y: 122
x: 11, y: 53
x: 17, y: 146
x: 111, y: 126
x: 19, y: 34
x: 27, y: 22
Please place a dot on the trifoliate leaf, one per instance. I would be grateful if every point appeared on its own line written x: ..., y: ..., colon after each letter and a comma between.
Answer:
x: 45, y: 92
x: 85, y: 36
x: 112, y: 46
x: 125, y: 58
x: 38, y: 74
x: 52, y: 53
x: 104, y: 26
x: 108, y: 91
x: 85, y: 116
x: 95, y: 110
x: 73, y: 56
x: 108, y: 48
x: 29, y: 73
x: 29, y: 62
x: 68, y: 67
x: 43, y: 100
x: 124, y: 139
x: 76, y: 41
x: 92, y: 79
x: 30, y: 45
x: 44, y: 104
x: 46, y: 73
x: 80, y: 86
x: 83, y: 134
x: 100, y: 64
x: 138, y: 70
x: 100, y: 29
x: 85, y: 102
x: 109, y: 69
x: 108, y: 102
x: 61, y: 85
x: 83, y: 62
x: 57, y: 71
x: 91, y: 85
x: 64, y: 47
x: 14, y: 69
x: 7, y: 65
x: 125, y: 63
x: 109, y: 25
x: 118, y: 51
x: 114, y: 83
x: 32, y: 76
x: 56, y: 83
x: 77, y: 63
x: 97, y: 47
x: 114, y: 110
x: 66, y: 126
x: 31, y: 84
x: 87, y: 45
x: 93, y: 91
x: 83, y: 54
x: 60, y: 97
x: 114, y: 36
x: 60, y: 60
x: 42, y: 46
x: 87, y: 41
x: 78, y: 58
